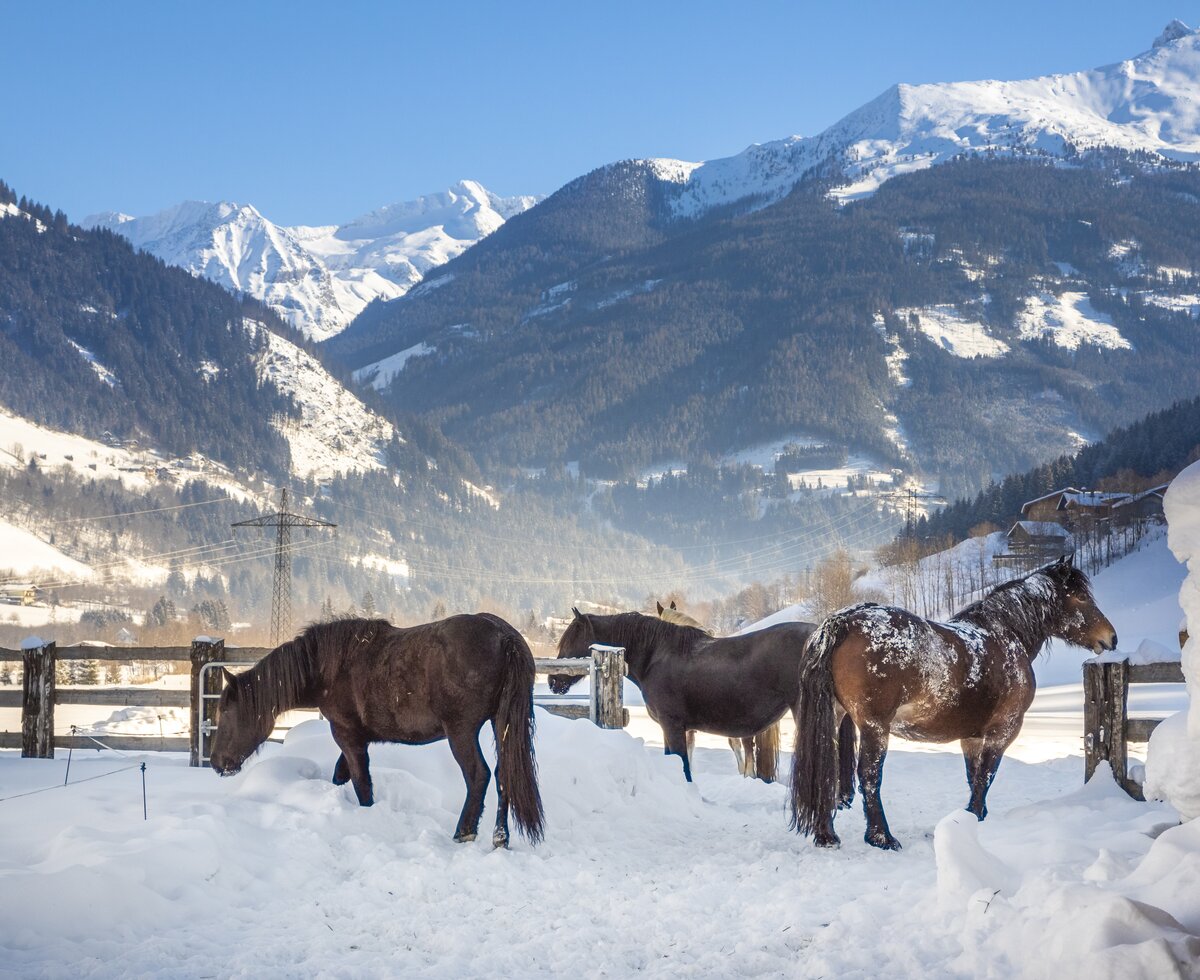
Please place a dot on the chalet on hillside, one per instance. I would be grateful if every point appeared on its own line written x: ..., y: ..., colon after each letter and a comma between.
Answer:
x: 1069, y: 506
x: 1146, y: 506
x: 1041, y: 541
x: 19, y: 594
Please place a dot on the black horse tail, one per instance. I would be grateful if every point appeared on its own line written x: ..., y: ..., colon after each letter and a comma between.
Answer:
x: 766, y: 754
x: 516, y: 768
x: 815, y: 760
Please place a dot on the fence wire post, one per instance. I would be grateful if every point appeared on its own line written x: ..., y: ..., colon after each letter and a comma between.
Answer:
x: 145, y: 813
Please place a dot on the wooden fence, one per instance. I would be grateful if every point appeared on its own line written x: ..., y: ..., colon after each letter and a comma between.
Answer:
x: 1107, y: 727
x: 39, y: 694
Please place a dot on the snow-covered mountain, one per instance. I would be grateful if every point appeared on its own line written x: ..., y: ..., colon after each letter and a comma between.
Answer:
x: 319, y: 278
x: 1150, y: 102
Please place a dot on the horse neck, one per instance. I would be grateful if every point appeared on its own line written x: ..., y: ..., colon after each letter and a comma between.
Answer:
x: 1013, y: 613
x: 629, y: 634
x: 286, y: 678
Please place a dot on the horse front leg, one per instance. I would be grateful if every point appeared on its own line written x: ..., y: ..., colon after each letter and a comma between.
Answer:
x: 353, y: 763
x: 990, y: 751
x: 675, y: 742
x: 872, y: 752
x: 464, y: 745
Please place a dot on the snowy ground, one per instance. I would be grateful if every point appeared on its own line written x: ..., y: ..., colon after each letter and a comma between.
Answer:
x: 278, y: 872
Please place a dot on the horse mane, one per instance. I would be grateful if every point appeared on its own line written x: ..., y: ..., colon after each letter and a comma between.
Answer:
x: 1031, y: 606
x: 285, y: 677
x: 633, y: 628
x: 683, y: 619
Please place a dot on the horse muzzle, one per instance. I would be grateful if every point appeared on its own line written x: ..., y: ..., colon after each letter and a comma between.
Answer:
x: 559, y: 683
x: 1102, y: 645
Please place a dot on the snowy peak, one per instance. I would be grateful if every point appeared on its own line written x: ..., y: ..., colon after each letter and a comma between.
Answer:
x: 1149, y: 103
x: 319, y: 277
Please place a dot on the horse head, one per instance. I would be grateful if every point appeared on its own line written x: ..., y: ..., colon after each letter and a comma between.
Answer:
x: 241, y: 726
x: 1081, y: 622
x: 575, y: 642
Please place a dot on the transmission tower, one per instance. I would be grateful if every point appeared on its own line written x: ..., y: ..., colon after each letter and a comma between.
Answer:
x: 281, y: 597
x: 911, y: 496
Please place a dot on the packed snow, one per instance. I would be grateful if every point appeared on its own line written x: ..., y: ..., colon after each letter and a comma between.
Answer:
x: 319, y: 278
x: 1173, y: 762
x: 1069, y: 320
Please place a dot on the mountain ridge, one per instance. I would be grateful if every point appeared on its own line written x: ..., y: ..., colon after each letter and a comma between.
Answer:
x: 318, y: 277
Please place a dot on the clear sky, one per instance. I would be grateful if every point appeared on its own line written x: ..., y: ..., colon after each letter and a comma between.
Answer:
x: 316, y: 112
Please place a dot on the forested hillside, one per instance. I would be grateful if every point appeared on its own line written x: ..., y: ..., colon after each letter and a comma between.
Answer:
x: 923, y: 323
x: 1128, y: 458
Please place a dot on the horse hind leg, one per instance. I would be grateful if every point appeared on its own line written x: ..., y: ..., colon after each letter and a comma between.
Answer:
x: 464, y: 746
x: 743, y: 753
x: 982, y: 764
x: 872, y: 753
x: 500, y: 834
x: 766, y: 754
x: 847, y: 757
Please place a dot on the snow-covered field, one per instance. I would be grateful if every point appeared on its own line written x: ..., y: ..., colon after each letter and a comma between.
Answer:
x: 276, y: 872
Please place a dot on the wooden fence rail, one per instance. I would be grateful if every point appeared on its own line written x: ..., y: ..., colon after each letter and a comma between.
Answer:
x: 1107, y: 727
x: 603, y: 705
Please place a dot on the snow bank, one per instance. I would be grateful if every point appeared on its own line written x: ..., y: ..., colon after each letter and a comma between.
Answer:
x: 1173, y: 759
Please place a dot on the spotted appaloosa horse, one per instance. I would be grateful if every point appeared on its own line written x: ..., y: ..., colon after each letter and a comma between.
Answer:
x: 970, y: 678
x: 757, y: 757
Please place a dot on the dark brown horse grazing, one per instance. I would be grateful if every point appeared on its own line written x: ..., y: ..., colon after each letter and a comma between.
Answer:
x: 733, y: 686
x: 757, y: 757
x: 970, y: 678
x: 379, y: 683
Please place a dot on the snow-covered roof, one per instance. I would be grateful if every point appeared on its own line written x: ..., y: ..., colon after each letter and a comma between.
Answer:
x: 1047, y: 496
x: 1091, y: 498
x: 1157, y: 491
x: 1042, y: 529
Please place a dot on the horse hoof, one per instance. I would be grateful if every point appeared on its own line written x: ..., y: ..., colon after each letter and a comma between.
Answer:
x: 845, y: 802
x: 500, y: 839
x: 463, y: 838
x: 827, y: 840
x: 888, y: 843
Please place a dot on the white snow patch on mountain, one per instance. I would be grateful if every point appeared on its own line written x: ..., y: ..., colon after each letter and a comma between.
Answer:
x: 24, y: 552
x: 1150, y: 102
x: 1188, y: 303
x: 319, y: 278
x: 382, y: 373
x: 335, y: 433
x: 896, y: 355
x: 954, y: 332
x: 103, y: 373
x: 1068, y: 319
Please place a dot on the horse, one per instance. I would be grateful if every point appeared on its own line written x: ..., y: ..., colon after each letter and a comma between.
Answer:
x: 756, y: 757
x: 379, y: 683
x: 970, y: 678
x: 734, y: 686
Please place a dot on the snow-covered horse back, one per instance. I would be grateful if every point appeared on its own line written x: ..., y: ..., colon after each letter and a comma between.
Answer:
x: 757, y: 757
x: 379, y: 683
x: 891, y: 671
x: 733, y: 686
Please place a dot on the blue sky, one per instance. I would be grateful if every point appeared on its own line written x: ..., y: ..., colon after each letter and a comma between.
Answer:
x: 316, y: 112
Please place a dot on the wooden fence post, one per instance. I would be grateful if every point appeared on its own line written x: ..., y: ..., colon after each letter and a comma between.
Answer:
x: 608, y: 707
x: 205, y: 650
x: 37, y: 699
x: 1105, y: 715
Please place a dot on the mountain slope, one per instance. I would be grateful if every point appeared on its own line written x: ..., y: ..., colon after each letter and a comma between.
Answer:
x: 966, y: 320
x: 318, y: 278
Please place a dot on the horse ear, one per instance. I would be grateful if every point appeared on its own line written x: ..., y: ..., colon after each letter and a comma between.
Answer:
x: 673, y: 606
x: 1069, y: 560
x: 576, y: 612
x: 229, y: 678
x: 660, y: 607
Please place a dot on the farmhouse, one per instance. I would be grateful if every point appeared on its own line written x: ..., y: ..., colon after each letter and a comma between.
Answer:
x: 1141, y: 507
x: 1070, y: 506
x: 1043, y: 540
x: 19, y: 594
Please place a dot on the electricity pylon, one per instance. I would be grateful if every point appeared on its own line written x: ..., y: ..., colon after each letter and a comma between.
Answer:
x: 281, y: 598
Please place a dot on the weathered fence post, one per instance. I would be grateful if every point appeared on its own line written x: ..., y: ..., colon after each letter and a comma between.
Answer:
x: 205, y: 650
x: 37, y: 699
x: 608, y: 676
x: 1105, y: 713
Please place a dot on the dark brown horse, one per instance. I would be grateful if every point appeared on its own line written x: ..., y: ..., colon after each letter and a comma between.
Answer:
x: 734, y: 686
x: 379, y: 683
x: 757, y: 757
x: 970, y: 678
